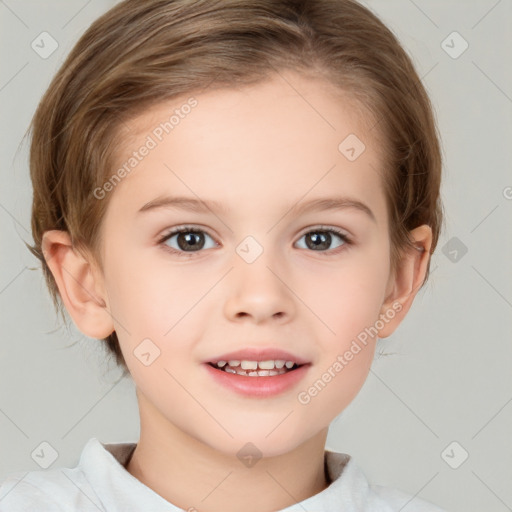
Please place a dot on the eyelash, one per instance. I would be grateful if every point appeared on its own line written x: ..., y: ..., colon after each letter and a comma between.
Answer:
x: 347, y: 241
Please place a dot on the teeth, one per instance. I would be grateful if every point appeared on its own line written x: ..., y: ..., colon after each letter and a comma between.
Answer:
x: 253, y: 365
x: 259, y: 368
x: 266, y: 365
x: 259, y: 373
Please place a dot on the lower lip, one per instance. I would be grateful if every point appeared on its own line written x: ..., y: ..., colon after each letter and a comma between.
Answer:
x: 258, y: 386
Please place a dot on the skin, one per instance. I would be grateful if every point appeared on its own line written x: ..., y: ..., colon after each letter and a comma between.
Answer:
x: 258, y: 150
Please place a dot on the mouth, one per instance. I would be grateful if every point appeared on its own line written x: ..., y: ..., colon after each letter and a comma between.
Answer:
x: 247, y: 368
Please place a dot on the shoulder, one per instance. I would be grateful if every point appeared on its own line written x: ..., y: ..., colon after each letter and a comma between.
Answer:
x: 399, y: 500
x: 349, y: 483
x: 55, y: 490
x: 18, y: 492
x: 50, y: 490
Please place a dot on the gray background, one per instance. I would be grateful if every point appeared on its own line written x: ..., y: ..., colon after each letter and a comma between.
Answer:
x: 446, y: 392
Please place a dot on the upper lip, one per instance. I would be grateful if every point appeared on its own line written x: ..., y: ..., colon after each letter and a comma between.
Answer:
x: 259, y: 354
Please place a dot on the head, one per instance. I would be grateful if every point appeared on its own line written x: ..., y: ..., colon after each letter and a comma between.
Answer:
x: 267, y: 99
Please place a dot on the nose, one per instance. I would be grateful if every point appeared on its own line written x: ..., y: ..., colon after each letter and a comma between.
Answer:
x: 258, y: 292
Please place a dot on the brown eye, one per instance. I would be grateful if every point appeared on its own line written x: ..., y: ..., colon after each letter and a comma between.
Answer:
x: 321, y: 240
x: 187, y: 240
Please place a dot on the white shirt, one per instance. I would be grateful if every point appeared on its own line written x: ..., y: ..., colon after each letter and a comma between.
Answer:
x: 100, y: 482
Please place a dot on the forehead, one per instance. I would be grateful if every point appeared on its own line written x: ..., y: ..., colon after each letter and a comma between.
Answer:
x: 297, y: 134
x: 277, y: 102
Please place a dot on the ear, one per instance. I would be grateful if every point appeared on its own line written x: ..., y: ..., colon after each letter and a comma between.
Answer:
x: 80, y: 285
x: 405, y: 284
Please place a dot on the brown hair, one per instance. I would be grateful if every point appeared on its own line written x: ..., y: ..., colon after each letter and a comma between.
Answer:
x: 142, y: 52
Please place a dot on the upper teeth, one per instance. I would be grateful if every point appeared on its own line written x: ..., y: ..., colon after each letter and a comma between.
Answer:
x: 253, y: 365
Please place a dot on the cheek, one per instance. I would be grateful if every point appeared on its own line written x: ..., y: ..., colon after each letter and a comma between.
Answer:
x: 348, y: 298
x: 156, y: 299
x: 349, y: 306
x: 141, y: 300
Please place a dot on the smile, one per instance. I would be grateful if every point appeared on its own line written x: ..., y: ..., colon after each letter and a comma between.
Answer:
x: 235, y: 375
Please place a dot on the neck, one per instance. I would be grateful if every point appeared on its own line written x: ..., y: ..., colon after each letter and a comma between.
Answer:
x: 192, y: 475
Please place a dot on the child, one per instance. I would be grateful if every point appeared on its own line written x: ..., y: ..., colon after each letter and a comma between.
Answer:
x: 294, y: 143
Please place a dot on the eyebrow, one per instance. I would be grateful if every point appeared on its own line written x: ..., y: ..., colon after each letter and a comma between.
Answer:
x: 203, y: 206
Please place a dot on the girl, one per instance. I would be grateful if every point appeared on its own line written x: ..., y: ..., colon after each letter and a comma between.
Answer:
x: 294, y: 144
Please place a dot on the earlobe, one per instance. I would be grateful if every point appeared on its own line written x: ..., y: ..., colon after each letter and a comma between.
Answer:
x: 80, y: 285
x: 404, y: 286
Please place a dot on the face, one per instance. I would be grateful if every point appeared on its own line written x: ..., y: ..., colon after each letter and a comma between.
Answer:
x: 260, y: 268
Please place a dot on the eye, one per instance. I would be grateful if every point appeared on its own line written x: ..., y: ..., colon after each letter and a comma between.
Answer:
x: 186, y: 240
x: 320, y: 240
